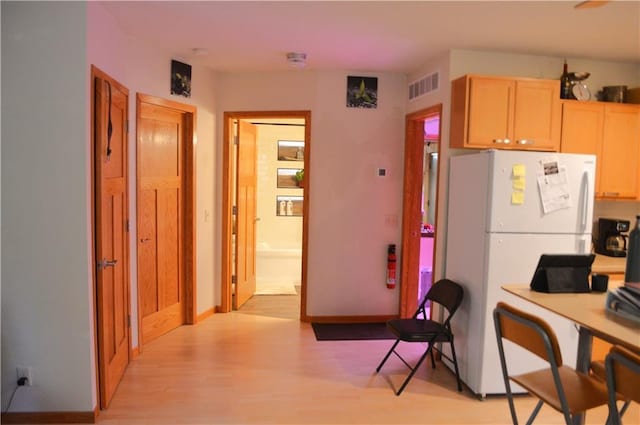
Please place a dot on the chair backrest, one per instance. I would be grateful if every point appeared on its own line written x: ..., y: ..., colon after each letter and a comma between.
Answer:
x: 623, y: 373
x: 528, y: 331
x: 445, y: 292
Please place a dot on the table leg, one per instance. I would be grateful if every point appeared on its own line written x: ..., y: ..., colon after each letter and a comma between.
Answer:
x: 583, y: 363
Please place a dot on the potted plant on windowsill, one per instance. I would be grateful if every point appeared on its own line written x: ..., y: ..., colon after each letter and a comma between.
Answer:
x: 300, y: 178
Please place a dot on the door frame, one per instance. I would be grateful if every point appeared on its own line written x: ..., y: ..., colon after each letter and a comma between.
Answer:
x: 411, y: 202
x: 228, y: 186
x: 189, y: 183
x: 100, y: 372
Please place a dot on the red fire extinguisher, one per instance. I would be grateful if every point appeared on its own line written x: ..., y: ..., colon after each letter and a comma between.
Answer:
x: 391, y: 266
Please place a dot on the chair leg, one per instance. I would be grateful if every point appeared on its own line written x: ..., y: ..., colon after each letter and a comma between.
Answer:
x: 387, y: 356
x: 535, y: 412
x: 433, y: 360
x: 413, y: 370
x: 455, y: 365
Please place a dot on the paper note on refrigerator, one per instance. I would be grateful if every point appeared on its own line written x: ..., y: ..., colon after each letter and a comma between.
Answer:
x: 554, y: 188
x: 517, y: 197
x: 519, y: 170
x: 519, y: 173
x: 519, y: 183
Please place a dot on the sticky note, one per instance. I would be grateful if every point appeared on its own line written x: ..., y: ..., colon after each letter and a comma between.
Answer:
x: 517, y: 197
x: 519, y: 183
x: 519, y: 170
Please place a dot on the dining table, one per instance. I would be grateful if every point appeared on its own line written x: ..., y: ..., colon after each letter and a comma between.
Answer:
x: 587, y: 310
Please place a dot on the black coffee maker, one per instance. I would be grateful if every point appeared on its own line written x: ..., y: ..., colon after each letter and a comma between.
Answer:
x: 610, y: 239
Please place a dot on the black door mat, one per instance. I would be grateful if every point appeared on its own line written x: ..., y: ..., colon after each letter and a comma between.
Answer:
x: 351, y: 331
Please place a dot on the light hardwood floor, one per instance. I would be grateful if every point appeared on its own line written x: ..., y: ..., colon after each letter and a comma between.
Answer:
x: 261, y: 365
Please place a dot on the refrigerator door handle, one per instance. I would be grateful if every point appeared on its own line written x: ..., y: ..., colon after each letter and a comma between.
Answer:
x: 585, y: 200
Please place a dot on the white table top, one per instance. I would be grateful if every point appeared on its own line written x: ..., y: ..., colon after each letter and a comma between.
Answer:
x: 587, y: 310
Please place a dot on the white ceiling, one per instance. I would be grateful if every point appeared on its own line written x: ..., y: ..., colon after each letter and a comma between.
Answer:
x: 378, y: 36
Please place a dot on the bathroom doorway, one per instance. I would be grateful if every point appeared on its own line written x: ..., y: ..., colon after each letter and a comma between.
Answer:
x: 277, y: 218
x: 280, y: 187
x: 419, y: 218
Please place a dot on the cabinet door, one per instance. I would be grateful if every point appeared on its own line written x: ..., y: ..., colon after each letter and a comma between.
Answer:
x: 490, y: 112
x: 537, y: 115
x: 582, y: 130
x: 619, y: 152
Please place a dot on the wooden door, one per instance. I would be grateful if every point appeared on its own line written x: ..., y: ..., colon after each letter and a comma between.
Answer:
x: 246, y: 219
x: 537, y: 115
x: 619, y: 155
x: 111, y: 232
x: 161, y: 268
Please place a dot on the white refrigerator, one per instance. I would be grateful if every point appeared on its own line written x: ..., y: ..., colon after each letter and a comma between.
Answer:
x: 506, y: 208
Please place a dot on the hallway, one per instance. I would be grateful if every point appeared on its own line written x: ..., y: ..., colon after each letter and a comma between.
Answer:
x: 261, y: 365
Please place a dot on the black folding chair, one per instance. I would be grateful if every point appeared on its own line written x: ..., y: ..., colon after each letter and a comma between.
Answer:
x: 448, y: 294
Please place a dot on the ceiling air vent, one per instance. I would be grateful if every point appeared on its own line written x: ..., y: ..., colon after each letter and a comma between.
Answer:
x: 424, y: 85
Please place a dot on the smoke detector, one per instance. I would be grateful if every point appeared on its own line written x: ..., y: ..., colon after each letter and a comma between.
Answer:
x: 297, y: 60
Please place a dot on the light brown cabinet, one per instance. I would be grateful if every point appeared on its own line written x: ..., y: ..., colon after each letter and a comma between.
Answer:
x: 611, y: 131
x: 505, y: 113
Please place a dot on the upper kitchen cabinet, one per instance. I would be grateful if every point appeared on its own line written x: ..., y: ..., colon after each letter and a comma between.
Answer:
x: 619, y: 155
x: 611, y: 131
x: 505, y: 113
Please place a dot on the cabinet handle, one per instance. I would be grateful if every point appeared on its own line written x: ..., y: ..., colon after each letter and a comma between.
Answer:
x: 616, y: 194
x: 501, y: 141
x: 525, y: 142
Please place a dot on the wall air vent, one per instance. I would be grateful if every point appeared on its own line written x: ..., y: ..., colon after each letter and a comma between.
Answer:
x: 424, y: 85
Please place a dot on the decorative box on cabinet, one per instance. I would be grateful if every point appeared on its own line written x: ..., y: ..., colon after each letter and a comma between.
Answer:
x: 611, y: 131
x: 505, y: 113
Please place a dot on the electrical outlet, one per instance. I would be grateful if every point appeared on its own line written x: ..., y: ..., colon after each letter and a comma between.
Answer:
x: 25, y: 372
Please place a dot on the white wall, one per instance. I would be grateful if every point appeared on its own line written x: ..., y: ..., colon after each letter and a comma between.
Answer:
x: 272, y: 230
x: 46, y: 293
x: 348, y: 204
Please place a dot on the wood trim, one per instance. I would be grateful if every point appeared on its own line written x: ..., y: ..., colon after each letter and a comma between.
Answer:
x: 135, y: 352
x: 189, y: 237
x: 227, y: 185
x: 207, y: 313
x: 305, y: 216
x: 412, y: 197
x: 49, y: 417
x: 350, y: 319
x: 95, y: 72
x: 190, y: 218
x: 227, y: 214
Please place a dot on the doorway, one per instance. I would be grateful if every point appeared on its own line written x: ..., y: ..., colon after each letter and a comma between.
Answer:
x: 280, y: 189
x: 240, y: 215
x: 419, y: 205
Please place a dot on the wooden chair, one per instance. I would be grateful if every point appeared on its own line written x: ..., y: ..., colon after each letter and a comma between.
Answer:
x: 623, y: 380
x: 559, y: 386
x: 448, y: 294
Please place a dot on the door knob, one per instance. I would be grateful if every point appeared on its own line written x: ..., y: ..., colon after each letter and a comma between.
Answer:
x: 106, y: 263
